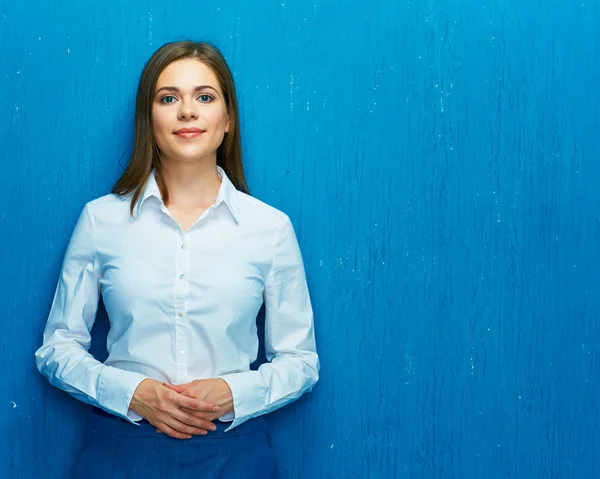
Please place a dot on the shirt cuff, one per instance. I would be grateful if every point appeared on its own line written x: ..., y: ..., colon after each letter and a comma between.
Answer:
x: 115, y: 391
x: 249, y: 393
x: 228, y: 417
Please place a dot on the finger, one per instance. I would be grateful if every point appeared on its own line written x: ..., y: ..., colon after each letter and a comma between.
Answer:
x: 169, y: 431
x: 183, y: 428
x: 196, y: 404
x: 209, y: 416
x: 174, y: 387
x: 194, y: 421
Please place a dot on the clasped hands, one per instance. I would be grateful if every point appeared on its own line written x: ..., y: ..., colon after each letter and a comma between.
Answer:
x: 184, y: 409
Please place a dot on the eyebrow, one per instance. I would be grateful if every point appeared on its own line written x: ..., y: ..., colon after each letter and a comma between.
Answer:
x: 176, y: 90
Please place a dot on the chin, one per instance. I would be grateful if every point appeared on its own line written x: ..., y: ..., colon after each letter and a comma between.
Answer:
x: 187, y: 157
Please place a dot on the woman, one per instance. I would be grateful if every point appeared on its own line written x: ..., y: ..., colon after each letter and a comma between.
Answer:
x: 183, y: 258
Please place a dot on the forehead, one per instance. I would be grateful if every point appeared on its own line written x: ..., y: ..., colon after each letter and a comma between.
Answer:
x: 187, y: 74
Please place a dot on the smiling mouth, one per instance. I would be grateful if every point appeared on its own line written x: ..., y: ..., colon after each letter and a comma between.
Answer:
x: 188, y: 133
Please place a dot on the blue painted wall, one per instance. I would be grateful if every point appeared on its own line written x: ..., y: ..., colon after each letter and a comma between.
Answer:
x: 440, y: 161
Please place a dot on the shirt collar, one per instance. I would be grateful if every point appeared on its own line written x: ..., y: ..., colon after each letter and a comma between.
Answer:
x: 227, y: 193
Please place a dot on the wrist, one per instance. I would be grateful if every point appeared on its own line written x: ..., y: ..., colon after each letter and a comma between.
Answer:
x: 226, y: 399
x: 136, y: 397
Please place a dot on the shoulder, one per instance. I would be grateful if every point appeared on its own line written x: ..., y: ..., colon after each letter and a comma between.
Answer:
x: 260, y: 212
x: 109, y: 205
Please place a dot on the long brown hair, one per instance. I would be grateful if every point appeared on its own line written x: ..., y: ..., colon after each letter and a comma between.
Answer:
x: 145, y: 154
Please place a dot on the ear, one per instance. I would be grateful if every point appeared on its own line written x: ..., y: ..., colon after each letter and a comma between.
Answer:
x: 227, y: 125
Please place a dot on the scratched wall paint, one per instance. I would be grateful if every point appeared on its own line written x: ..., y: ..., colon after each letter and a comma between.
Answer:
x: 439, y: 161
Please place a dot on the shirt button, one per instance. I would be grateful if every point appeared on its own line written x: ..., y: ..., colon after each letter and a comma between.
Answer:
x: 182, y: 246
x: 181, y: 352
x: 180, y: 314
x: 181, y: 276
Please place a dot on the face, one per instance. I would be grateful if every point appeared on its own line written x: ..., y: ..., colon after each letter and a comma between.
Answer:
x: 189, y: 116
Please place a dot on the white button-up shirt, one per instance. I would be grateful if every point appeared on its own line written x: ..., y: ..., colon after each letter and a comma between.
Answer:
x: 182, y: 304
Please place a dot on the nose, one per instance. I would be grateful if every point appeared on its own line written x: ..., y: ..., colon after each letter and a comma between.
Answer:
x: 187, y: 109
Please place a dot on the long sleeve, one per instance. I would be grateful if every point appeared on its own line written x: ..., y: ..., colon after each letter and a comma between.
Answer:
x: 293, y: 366
x: 63, y: 357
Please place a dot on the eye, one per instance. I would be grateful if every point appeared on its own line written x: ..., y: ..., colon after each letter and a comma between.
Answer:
x: 167, y: 99
x: 205, y: 98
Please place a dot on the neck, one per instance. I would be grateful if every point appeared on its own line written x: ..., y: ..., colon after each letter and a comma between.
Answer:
x: 191, y: 184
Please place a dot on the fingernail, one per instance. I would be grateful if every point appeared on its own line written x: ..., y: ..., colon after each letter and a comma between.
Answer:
x: 214, y: 428
x: 216, y: 408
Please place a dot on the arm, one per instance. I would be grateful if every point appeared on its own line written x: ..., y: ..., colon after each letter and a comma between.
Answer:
x: 63, y: 357
x: 293, y: 367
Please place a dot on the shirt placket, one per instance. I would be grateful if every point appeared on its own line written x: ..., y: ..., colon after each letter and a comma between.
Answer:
x: 181, y: 307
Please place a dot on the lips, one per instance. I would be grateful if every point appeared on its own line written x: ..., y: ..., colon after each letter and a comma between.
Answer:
x: 189, y: 132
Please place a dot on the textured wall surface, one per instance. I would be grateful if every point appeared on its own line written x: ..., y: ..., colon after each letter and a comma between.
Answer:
x: 440, y: 162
